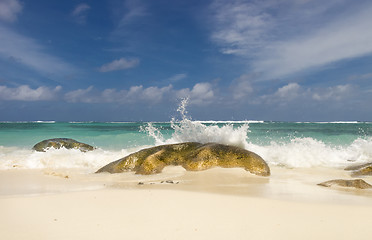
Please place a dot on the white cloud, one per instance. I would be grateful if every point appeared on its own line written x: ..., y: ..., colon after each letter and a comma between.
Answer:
x: 82, y: 95
x: 279, y: 38
x: 9, y: 10
x: 177, y: 77
x: 338, y: 92
x: 201, y: 94
x: 119, y: 64
x: 134, y: 94
x: 295, y: 93
x: 80, y: 13
x: 155, y: 93
x: 290, y: 91
x: 31, y: 54
x: 367, y: 76
x: 133, y: 10
x: 241, y: 87
x: 25, y: 93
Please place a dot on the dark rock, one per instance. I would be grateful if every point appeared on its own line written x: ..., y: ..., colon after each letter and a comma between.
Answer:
x: 58, y: 143
x: 192, y: 156
x: 355, y: 183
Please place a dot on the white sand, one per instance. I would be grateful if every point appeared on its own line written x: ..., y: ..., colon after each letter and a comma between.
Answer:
x: 216, y: 204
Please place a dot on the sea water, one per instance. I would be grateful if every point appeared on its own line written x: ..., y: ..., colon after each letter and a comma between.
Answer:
x: 285, y: 144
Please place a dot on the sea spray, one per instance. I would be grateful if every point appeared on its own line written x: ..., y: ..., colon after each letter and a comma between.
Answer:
x: 187, y: 130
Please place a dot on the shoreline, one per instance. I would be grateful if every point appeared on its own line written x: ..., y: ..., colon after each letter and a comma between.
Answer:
x: 283, y: 184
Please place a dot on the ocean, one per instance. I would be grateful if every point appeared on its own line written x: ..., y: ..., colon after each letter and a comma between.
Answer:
x: 283, y: 144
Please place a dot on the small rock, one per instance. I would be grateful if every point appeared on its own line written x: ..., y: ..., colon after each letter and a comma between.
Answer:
x: 58, y: 143
x: 355, y: 183
x: 360, y: 170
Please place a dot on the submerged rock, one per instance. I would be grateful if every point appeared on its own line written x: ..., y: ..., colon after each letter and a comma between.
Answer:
x: 58, y: 143
x: 361, y: 170
x: 192, y: 156
x: 355, y: 183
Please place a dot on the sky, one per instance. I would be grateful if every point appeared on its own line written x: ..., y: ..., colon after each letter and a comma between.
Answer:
x: 135, y: 60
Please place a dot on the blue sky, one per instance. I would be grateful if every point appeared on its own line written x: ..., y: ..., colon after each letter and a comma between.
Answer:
x: 133, y: 60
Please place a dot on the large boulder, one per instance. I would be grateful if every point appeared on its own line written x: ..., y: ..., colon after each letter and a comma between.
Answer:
x: 58, y: 143
x: 361, y: 170
x: 355, y: 183
x: 192, y: 156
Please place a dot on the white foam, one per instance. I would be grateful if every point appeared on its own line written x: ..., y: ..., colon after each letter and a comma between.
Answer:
x: 12, y: 157
x: 309, y: 152
x: 298, y: 153
x: 187, y: 130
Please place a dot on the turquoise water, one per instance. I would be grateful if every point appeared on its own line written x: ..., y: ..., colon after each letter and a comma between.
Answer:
x: 282, y: 143
x: 124, y: 135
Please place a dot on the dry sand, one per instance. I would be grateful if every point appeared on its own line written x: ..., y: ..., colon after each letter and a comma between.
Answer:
x: 214, y: 204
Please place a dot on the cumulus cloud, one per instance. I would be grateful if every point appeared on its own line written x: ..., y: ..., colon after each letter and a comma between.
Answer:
x: 295, y: 93
x: 290, y: 91
x: 133, y: 94
x: 338, y: 92
x: 25, y: 93
x: 119, y: 64
x: 80, y: 13
x: 9, y: 9
x: 279, y: 38
x: 201, y: 93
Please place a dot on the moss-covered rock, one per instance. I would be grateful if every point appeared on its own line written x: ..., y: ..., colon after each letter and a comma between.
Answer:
x: 58, y: 143
x: 192, y: 156
x: 361, y: 170
x: 355, y: 183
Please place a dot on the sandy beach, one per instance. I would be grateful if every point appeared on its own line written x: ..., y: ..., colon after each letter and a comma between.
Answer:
x: 214, y: 204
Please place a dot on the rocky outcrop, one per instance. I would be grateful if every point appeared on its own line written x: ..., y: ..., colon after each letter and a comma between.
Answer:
x: 58, y: 143
x: 192, y: 156
x: 355, y: 183
x: 360, y: 170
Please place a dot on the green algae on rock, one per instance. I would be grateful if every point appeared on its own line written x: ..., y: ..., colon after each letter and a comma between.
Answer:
x: 58, y: 143
x: 355, y: 183
x: 192, y: 156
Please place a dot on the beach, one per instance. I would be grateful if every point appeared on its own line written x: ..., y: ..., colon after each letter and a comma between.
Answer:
x: 176, y: 204
x: 56, y: 194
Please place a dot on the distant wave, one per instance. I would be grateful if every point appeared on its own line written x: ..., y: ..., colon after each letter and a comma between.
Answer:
x: 27, y: 121
x: 43, y: 121
x: 231, y: 122
x: 340, y: 122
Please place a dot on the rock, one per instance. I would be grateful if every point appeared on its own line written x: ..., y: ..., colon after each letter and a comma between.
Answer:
x: 355, y: 183
x: 58, y: 143
x: 192, y: 156
x: 360, y: 170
